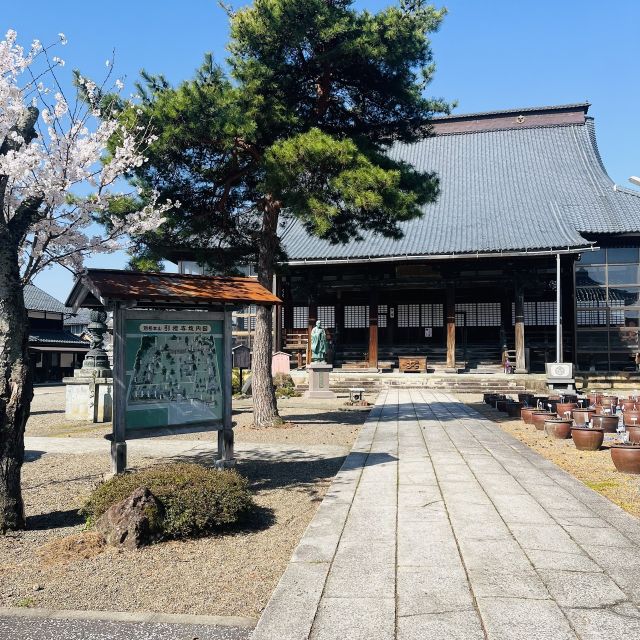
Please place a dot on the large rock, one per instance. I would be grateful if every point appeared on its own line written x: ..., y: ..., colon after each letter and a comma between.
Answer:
x: 132, y: 523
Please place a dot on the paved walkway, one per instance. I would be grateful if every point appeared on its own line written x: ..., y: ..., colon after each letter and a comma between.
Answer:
x: 440, y: 525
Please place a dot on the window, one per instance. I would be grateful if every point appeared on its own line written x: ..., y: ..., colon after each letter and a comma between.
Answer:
x: 537, y: 313
x: 300, y: 317
x: 431, y: 315
x: 488, y: 314
x: 356, y: 316
x: 466, y: 314
x: 327, y: 315
x: 383, y: 310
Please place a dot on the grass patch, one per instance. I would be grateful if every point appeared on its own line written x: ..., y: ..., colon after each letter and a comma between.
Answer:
x: 602, y: 485
x: 25, y: 602
x: 196, y: 500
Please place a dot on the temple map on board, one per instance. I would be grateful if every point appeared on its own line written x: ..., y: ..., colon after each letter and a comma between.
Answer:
x: 175, y: 377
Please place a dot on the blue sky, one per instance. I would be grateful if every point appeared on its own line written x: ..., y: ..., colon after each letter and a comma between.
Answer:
x: 491, y: 54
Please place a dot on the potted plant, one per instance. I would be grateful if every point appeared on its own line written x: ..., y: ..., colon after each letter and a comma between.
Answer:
x: 587, y: 438
x: 559, y: 428
x: 594, y: 397
x: 563, y: 407
x: 525, y: 414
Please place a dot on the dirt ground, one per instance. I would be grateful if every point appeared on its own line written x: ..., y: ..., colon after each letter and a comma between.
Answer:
x: 311, y: 422
x: 594, y: 468
x: 232, y: 574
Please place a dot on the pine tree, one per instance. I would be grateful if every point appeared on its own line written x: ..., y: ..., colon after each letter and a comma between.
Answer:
x: 298, y: 128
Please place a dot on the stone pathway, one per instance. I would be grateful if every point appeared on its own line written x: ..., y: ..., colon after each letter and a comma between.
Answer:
x: 440, y: 525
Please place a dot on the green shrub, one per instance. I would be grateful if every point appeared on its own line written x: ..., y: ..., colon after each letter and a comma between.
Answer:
x: 196, y: 499
x: 284, y: 386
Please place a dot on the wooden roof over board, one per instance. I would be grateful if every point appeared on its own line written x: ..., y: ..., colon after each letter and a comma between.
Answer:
x: 103, y: 287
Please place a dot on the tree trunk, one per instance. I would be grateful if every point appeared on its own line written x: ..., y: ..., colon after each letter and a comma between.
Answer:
x: 265, y: 407
x: 16, y: 385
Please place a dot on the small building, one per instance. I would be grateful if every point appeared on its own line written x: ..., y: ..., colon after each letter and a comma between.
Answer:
x: 54, y: 351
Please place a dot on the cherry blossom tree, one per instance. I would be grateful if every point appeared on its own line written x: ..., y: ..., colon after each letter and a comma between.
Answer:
x: 61, y: 161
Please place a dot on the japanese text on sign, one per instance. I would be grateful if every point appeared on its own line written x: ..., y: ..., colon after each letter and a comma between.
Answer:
x: 175, y: 328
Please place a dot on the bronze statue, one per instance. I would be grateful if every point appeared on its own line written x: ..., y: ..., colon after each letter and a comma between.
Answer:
x: 319, y: 343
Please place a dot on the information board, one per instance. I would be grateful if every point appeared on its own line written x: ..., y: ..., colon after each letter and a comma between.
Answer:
x: 173, y: 372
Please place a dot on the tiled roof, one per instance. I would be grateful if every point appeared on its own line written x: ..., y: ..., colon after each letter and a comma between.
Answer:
x: 35, y: 299
x: 515, y: 189
x: 63, y: 338
x: 166, y: 288
x: 81, y: 317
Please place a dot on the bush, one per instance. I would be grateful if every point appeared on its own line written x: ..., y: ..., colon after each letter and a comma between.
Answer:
x: 284, y: 386
x: 196, y: 499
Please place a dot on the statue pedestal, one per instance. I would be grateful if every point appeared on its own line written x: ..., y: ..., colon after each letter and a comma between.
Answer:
x: 89, y: 397
x: 319, y: 381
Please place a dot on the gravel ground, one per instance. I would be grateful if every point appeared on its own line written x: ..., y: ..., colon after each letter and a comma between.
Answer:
x: 594, y: 468
x: 220, y: 575
x: 307, y: 421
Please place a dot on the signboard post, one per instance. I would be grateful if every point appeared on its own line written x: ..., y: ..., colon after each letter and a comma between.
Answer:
x: 172, y: 368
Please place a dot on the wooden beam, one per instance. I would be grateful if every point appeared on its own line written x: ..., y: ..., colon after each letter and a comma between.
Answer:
x: 451, y: 327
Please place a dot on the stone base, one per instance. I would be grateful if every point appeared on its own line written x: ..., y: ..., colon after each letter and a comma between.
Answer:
x: 225, y: 464
x: 319, y: 381
x: 89, y: 398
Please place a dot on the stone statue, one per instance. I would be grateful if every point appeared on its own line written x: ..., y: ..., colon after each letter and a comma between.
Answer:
x: 319, y: 343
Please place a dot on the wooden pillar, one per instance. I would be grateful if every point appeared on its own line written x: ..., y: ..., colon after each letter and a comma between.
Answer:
x: 313, y: 316
x: 339, y: 328
x: 277, y: 316
x: 450, y: 312
x: 521, y: 366
x: 119, y: 442
x: 373, y: 330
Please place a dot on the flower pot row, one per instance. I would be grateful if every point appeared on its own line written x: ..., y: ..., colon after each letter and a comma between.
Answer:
x: 587, y: 430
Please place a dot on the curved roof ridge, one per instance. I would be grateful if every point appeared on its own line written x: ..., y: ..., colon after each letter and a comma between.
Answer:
x: 557, y: 107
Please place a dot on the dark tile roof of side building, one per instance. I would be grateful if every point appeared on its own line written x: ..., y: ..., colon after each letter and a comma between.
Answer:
x: 520, y: 180
x: 35, y: 299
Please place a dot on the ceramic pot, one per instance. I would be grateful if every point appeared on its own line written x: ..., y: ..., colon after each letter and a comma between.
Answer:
x: 587, y: 439
x: 525, y: 414
x: 610, y: 400
x: 629, y: 418
x: 582, y: 416
x: 626, y: 457
x: 501, y: 405
x: 563, y: 407
x: 554, y: 401
x: 513, y: 409
x: 558, y: 428
x: 594, y: 397
x: 605, y: 409
x: 630, y: 405
x: 538, y: 418
x: 608, y: 423
x: 634, y: 434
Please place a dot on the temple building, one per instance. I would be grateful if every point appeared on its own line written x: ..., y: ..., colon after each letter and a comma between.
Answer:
x: 476, y: 277
x: 526, y: 216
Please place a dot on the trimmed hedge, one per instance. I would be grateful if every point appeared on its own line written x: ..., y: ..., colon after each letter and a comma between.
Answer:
x: 196, y: 499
